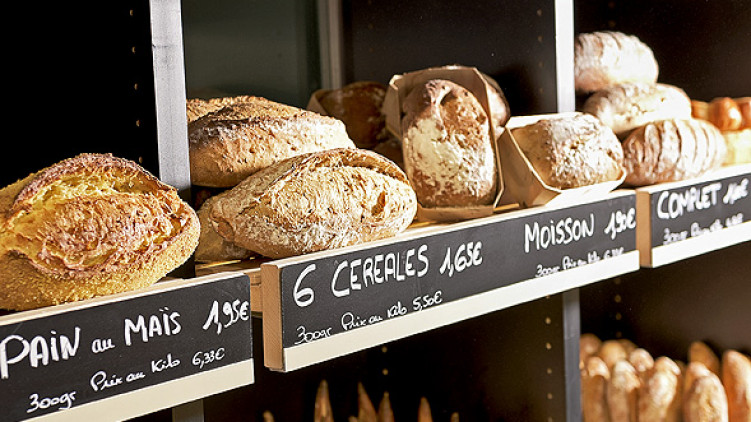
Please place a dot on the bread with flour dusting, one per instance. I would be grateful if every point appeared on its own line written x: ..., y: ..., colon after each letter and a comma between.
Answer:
x: 447, y: 146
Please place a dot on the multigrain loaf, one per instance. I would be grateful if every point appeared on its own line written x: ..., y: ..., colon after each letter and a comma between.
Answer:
x: 606, y: 58
x: 212, y: 246
x: 316, y: 201
x: 199, y: 107
x: 237, y: 140
x: 89, y: 226
x: 571, y: 151
x: 736, y: 378
x: 671, y: 150
x: 358, y: 105
x: 627, y: 106
x: 447, y: 147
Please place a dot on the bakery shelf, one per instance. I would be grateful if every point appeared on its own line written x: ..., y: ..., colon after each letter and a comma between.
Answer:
x: 682, y: 219
x: 128, y: 354
x: 328, y: 304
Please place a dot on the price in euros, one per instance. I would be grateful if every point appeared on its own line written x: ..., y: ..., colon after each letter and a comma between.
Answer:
x: 201, y: 359
x: 466, y: 255
x: 621, y: 221
x: 231, y: 313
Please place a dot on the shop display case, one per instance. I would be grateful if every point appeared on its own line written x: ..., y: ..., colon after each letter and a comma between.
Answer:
x: 484, y: 318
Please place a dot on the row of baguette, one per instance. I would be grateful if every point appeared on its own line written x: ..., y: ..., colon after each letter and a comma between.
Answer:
x: 621, y: 382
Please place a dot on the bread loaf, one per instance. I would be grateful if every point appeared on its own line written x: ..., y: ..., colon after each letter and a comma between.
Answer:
x: 744, y: 106
x: 231, y: 143
x: 670, y: 150
x: 706, y: 401
x: 642, y: 361
x: 736, y: 378
x: 571, y: 151
x: 694, y: 371
x: 448, y: 150
x: 738, y: 143
x: 358, y: 105
x: 198, y: 107
x: 89, y: 226
x: 724, y: 113
x: 594, y: 380
x: 606, y: 58
x: 625, y: 107
x: 699, y: 351
x: 623, y: 392
x: 589, y: 344
x: 316, y: 201
x: 659, y: 396
x: 611, y: 352
x: 212, y: 246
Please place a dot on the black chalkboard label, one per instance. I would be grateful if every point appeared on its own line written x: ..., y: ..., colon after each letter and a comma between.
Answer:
x: 343, y: 291
x: 62, y: 360
x: 693, y: 210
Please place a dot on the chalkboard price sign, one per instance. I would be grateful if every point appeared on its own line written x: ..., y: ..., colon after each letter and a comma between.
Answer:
x: 675, y: 215
x: 317, y: 297
x: 53, y: 361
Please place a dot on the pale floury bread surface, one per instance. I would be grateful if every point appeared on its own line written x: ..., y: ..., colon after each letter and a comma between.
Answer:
x: 448, y: 151
x: 235, y: 141
x: 672, y: 150
x: 627, y: 106
x: 571, y: 151
x: 89, y: 226
x: 212, y: 246
x: 736, y: 378
x: 316, y: 201
x: 606, y: 58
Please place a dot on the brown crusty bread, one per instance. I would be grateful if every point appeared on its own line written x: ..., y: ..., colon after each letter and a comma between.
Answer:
x: 736, y: 378
x: 611, y: 351
x: 607, y: 58
x: 316, y: 201
x: 199, y: 107
x: 89, y: 226
x: 623, y: 392
x: 571, y: 151
x: 594, y: 380
x: 212, y: 246
x: 660, y: 395
x: 237, y: 140
x: 358, y: 105
x: 447, y: 146
x: 671, y: 150
x: 625, y: 107
x: 698, y: 351
x: 705, y: 400
x: 642, y: 361
x: 589, y: 344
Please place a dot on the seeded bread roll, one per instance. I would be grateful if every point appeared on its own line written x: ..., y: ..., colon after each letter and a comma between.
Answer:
x: 231, y: 143
x: 607, y: 58
x: 316, y: 201
x: 89, y: 226
x: 736, y: 378
x: 571, y: 151
x: 358, y: 105
x: 671, y: 150
x: 448, y: 151
x: 212, y: 246
x: 627, y: 106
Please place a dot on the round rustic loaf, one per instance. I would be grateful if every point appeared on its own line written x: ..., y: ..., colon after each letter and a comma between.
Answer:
x: 671, y: 150
x: 358, y: 105
x: 625, y: 107
x: 571, y: 151
x: 237, y: 140
x: 89, y: 226
x: 606, y: 58
x: 316, y: 201
x: 198, y: 107
x: 447, y: 148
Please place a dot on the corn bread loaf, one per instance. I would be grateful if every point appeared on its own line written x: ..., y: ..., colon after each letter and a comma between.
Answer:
x: 316, y: 201
x: 237, y: 140
x: 448, y: 151
x: 89, y: 226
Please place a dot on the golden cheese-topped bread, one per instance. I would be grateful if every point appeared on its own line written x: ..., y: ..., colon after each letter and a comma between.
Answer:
x: 89, y: 226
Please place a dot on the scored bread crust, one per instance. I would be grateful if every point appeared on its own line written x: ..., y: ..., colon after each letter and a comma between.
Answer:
x: 571, y: 151
x: 237, y: 140
x: 627, y: 106
x: 448, y: 150
x: 88, y: 226
x: 606, y: 58
x: 672, y: 150
x: 212, y: 246
x: 316, y: 201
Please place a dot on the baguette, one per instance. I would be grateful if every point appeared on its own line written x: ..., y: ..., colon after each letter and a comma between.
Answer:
x: 89, y: 226
x: 241, y: 138
x: 699, y: 351
x: 736, y: 378
x: 594, y: 380
x: 589, y: 344
x: 623, y: 392
x: 706, y: 400
x: 316, y: 201
x: 659, y: 396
